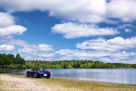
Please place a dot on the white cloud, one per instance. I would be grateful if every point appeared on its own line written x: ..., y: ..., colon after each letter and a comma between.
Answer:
x: 124, y: 26
x: 15, y: 29
x: 115, y: 44
x: 6, y: 47
x: 128, y: 30
x: 40, y: 50
x: 99, y: 54
x: 95, y: 55
x: 81, y: 11
x: 46, y: 55
x: 37, y: 58
x: 6, y: 20
x: 29, y: 51
x: 85, y: 11
x: 22, y: 43
x: 122, y: 9
x: 7, y: 27
x: 34, y: 52
x: 17, y: 42
x: 64, y: 52
x: 73, y: 30
x: 110, y: 21
x: 45, y: 47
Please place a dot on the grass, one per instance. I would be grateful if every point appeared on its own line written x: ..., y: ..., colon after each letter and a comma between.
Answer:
x: 65, y: 84
x: 0, y: 83
x: 89, y: 86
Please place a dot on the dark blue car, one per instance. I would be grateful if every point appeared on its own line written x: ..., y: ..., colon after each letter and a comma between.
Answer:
x: 38, y: 72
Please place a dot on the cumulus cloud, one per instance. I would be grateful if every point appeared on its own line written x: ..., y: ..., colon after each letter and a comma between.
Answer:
x: 6, y: 47
x: 85, y: 11
x: 15, y: 29
x: 7, y: 27
x: 78, y: 10
x: 45, y: 47
x: 34, y: 52
x: 122, y: 9
x: 95, y: 55
x: 17, y: 42
x: 40, y: 50
x: 124, y: 26
x: 73, y: 30
x: 29, y: 51
x: 6, y: 20
x: 38, y: 58
x: 117, y: 43
x: 128, y: 30
x: 64, y: 52
x: 99, y: 54
x: 46, y: 55
x: 22, y: 43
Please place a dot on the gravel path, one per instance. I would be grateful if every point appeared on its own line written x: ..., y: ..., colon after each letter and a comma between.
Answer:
x: 12, y: 83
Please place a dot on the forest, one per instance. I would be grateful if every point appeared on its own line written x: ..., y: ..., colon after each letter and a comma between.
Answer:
x: 9, y: 61
x: 72, y: 64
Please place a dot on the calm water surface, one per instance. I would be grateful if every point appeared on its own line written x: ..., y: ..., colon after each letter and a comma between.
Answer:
x: 124, y: 76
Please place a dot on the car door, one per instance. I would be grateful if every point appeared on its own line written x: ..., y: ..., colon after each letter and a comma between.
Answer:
x: 33, y: 71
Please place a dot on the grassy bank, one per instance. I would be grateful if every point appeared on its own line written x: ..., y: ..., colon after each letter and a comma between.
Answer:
x: 90, y: 85
x: 61, y: 84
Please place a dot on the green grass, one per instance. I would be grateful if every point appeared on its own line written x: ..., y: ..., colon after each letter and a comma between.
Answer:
x: 88, y: 86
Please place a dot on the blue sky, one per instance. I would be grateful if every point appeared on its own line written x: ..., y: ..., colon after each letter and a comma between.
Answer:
x: 69, y: 29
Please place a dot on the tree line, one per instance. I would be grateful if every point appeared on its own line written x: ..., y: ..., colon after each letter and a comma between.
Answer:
x: 71, y: 64
x: 9, y: 61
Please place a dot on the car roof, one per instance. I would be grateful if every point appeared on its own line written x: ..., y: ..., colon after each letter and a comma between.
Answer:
x: 39, y: 68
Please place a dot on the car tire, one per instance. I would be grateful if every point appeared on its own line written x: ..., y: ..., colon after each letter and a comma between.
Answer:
x: 47, y: 77
x: 35, y: 75
x: 27, y: 75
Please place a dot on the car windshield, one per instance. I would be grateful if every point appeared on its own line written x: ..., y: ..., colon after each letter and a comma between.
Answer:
x: 41, y: 69
x: 34, y: 69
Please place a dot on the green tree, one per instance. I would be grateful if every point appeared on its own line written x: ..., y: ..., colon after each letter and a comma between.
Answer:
x: 19, y: 60
x: 1, y: 61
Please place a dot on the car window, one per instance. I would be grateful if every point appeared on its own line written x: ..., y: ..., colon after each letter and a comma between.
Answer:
x: 34, y: 69
x: 41, y: 69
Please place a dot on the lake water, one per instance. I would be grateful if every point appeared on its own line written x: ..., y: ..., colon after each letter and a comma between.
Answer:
x: 123, y: 76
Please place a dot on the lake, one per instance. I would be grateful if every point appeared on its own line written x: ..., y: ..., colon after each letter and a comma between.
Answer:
x: 123, y: 76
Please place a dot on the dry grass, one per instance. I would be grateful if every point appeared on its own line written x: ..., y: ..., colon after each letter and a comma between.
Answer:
x: 81, y: 85
x: 59, y: 84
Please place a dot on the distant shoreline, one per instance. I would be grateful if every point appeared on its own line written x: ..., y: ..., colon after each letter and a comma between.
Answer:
x: 75, y: 68
x: 12, y: 69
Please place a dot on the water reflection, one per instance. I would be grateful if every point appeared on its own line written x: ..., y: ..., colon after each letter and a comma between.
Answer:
x: 124, y: 76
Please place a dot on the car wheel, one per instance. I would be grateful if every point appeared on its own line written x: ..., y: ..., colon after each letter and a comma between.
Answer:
x: 27, y: 75
x: 35, y: 75
x: 48, y: 77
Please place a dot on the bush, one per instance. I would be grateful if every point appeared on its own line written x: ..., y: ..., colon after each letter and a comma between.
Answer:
x: 19, y: 67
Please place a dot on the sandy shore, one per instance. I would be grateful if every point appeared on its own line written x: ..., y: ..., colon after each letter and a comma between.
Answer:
x: 22, y: 83
x: 12, y: 82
